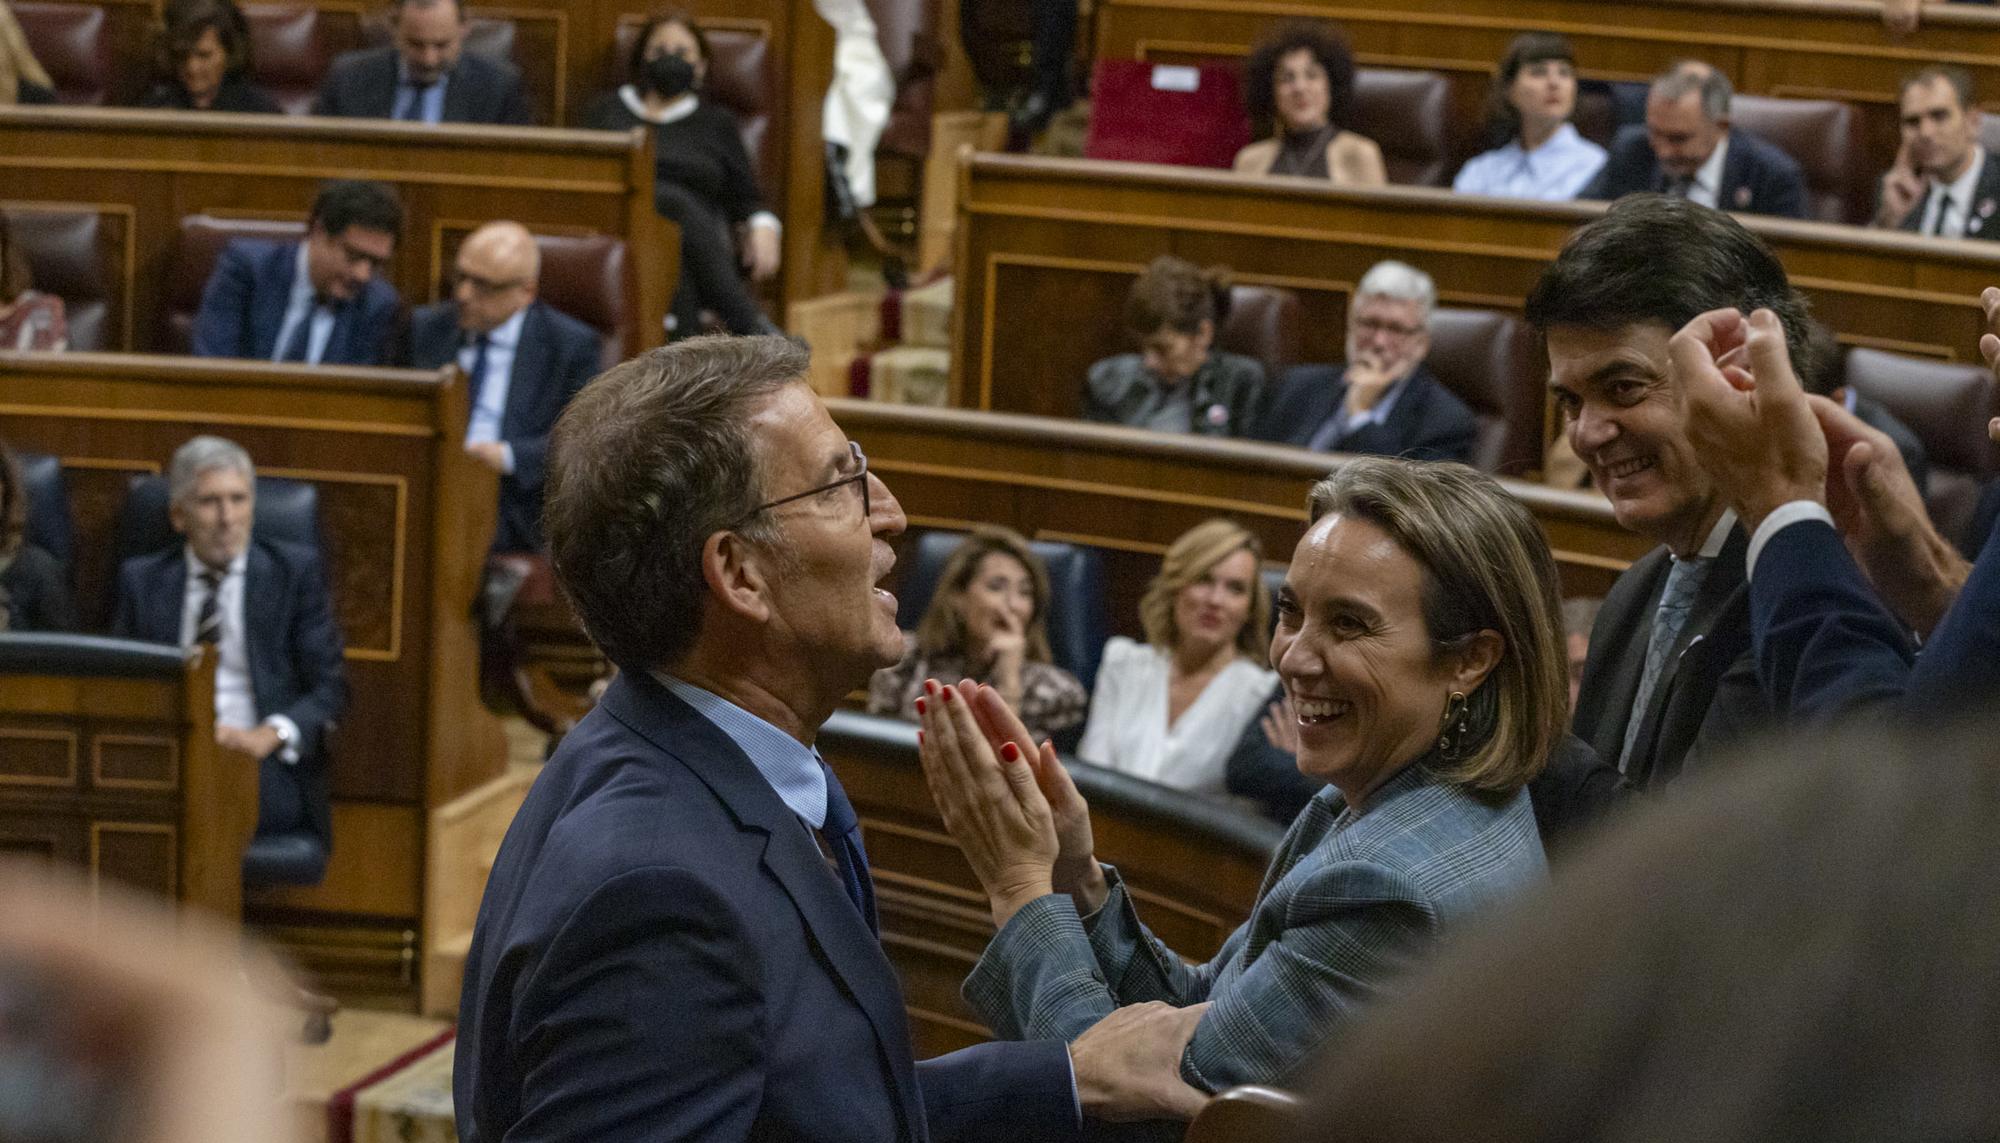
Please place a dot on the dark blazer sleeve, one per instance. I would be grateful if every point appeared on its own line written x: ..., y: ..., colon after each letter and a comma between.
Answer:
x: 375, y: 319
x: 1575, y: 789
x: 1627, y: 168
x: 1961, y: 663
x: 1428, y: 422
x: 515, y: 109
x: 743, y: 196
x: 433, y: 339
x: 315, y: 648
x: 1270, y: 776
x: 332, y: 98
x: 996, y: 1091
x: 1300, y: 399
x: 1104, y: 388
x: 576, y: 359
x: 1824, y: 642
x: 1783, y: 192
x: 220, y: 324
x: 41, y: 599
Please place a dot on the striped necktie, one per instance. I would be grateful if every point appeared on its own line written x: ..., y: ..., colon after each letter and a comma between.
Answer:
x: 208, y: 621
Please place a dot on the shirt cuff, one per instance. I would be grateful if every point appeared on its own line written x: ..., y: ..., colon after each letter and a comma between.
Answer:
x: 767, y: 219
x: 288, y: 732
x: 1787, y: 514
x: 507, y: 458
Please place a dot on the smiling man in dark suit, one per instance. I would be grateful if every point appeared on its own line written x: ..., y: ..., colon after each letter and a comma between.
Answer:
x: 523, y: 360
x: 279, y: 678
x: 426, y: 76
x: 1384, y: 400
x: 1687, y: 149
x: 319, y: 301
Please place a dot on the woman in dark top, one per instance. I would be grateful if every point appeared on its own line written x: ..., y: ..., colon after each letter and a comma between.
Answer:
x: 705, y: 182
x: 33, y: 596
x: 203, y: 61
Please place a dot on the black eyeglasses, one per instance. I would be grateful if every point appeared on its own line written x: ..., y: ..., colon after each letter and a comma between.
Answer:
x: 858, y: 476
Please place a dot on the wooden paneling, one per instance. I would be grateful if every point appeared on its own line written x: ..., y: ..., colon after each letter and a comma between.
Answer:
x: 166, y: 167
x: 1046, y: 237
x: 1819, y: 49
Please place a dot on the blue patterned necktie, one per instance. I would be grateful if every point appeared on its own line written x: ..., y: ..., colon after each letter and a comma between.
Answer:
x: 476, y: 380
x: 842, y: 832
x: 1683, y: 581
x: 301, y: 339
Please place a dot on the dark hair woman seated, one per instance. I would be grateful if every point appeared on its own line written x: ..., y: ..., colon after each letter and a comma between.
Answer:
x: 1298, y: 83
x: 1178, y: 382
x: 202, y: 61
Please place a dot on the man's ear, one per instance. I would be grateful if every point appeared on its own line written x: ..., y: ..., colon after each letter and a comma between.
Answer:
x: 177, y: 516
x: 735, y: 574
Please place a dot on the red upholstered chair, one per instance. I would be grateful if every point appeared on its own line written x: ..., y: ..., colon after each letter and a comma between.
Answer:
x: 584, y: 277
x: 1145, y: 113
x: 200, y: 243
x: 741, y: 77
x: 1263, y: 323
x: 70, y: 256
x: 289, y: 51
x: 73, y: 43
x: 1407, y: 113
x: 1947, y: 404
x: 1492, y: 362
x: 1824, y: 135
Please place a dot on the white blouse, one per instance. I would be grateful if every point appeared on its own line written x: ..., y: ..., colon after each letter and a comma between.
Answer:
x: 1128, y: 728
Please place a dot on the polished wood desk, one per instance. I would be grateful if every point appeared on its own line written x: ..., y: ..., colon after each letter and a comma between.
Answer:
x: 108, y: 761
x: 1048, y: 247
x: 148, y: 170
x: 405, y: 518
x: 1193, y: 866
x: 1809, y: 49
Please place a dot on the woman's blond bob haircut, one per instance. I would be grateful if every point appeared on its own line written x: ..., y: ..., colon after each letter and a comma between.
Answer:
x: 1193, y: 556
x: 942, y: 629
x: 1486, y: 567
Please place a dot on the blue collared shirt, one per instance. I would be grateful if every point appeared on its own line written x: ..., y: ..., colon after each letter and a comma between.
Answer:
x: 304, y: 306
x: 430, y: 109
x: 792, y: 767
x: 488, y: 414
x: 1559, y: 169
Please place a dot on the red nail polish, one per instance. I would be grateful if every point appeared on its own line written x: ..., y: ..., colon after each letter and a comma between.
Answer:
x: 920, y: 738
x: 920, y: 706
x: 1010, y: 752
x: 947, y: 694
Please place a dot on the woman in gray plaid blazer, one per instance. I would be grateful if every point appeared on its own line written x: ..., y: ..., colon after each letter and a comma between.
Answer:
x: 1419, y: 643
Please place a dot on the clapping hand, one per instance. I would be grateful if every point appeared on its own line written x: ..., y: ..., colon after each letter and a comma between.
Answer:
x: 1281, y: 726
x: 991, y: 802
x: 1747, y: 413
x: 1076, y: 871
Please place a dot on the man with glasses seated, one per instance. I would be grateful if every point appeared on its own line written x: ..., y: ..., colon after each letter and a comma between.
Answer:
x: 1383, y: 400
x: 320, y: 301
x: 522, y: 358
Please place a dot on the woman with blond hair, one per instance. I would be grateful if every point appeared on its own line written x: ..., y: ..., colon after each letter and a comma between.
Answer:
x: 1171, y: 709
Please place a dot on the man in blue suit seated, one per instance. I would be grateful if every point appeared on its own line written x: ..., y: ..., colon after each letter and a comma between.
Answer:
x: 426, y: 76
x: 1384, y: 400
x: 1687, y: 149
x: 320, y: 301
x: 523, y: 360
x: 678, y: 939
x: 1831, y: 632
x: 279, y: 677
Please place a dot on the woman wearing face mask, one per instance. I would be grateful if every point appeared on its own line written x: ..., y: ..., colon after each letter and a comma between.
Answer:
x: 1178, y: 382
x: 203, y: 61
x: 1172, y: 708
x: 705, y: 182
x: 1298, y: 83
x: 985, y: 623
x: 1534, y: 95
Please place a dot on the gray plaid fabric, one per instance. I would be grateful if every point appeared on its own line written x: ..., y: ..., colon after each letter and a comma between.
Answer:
x: 1348, y: 904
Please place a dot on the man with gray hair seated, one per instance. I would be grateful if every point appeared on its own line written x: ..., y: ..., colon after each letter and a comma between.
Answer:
x: 1384, y: 400
x: 279, y: 677
x: 1687, y: 149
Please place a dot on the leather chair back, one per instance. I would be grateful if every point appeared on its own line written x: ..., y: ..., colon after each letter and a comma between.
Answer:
x: 290, y: 52
x: 286, y: 510
x: 1408, y: 114
x: 1491, y: 361
x: 50, y: 527
x: 1947, y: 404
x: 1263, y: 323
x: 71, y: 256
x: 1076, y: 621
x: 1824, y: 135
x: 1989, y: 132
x: 907, y: 31
x: 584, y: 277
x: 200, y: 243
x: 73, y: 43
x: 742, y: 77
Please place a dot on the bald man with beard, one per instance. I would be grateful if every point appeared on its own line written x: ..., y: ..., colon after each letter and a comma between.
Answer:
x: 523, y: 360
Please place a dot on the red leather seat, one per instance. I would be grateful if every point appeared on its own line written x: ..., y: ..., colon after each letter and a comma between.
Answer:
x: 1408, y: 114
x: 290, y: 51
x: 73, y: 43
x: 1493, y: 363
x: 584, y: 277
x: 71, y: 256
x: 1824, y: 135
x: 1263, y: 323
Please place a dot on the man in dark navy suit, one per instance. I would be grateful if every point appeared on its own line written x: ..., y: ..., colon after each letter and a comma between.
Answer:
x: 678, y: 939
x: 279, y: 678
x: 320, y: 301
x: 426, y: 76
x: 1384, y: 400
x: 1832, y: 632
x: 523, y: 361
x: 1943, y: 183
x: 1687, y: 149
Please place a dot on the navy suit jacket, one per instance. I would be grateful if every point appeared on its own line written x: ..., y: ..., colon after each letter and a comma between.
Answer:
x: 663, y: 953
x: 243, y: 307
x: 557, y: 355
x: 1826, y: 645
x: 1428, y: 421
x: 293, y: 643
x: 1979, y: 218
x: 1757, y: 178
x: 362, y: 85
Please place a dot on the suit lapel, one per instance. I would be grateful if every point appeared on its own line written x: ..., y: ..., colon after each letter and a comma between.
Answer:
x: 380, y: 82
x: 458, y: 95
x: 167, y: 599
x: 531, y: 362
x: 1725, y: 576
x: 274, y: 296
x: 1618, y: 655
x: 260, y: 621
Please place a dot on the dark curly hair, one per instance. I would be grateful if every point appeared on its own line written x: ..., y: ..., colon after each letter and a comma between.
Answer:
x: 1260, y: 71
x: 1174, y: 293
x: 182, y: 26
